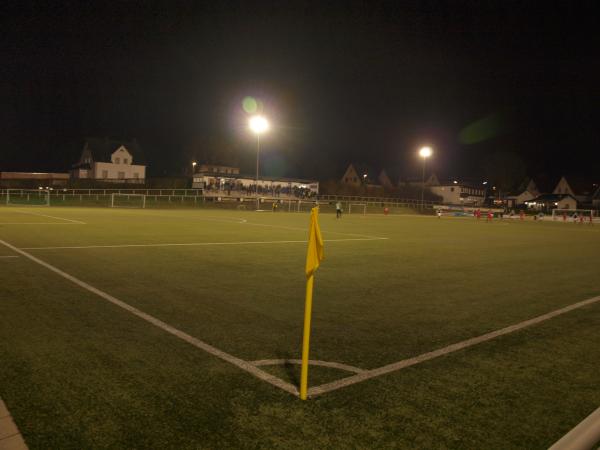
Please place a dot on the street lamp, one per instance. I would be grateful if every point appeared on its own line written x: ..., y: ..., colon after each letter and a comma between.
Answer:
x: 258, y: 125
x: 194, y: 167
x: 424, y: 153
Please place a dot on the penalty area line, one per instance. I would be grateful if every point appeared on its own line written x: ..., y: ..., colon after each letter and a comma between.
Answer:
x: 50, y: 217
x: 240, y: 363
x: 195, y: 244
x: 368, y: 374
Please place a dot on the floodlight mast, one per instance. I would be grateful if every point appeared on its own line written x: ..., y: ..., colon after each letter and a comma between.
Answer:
x: 258, y: 125
x: 424, y: 153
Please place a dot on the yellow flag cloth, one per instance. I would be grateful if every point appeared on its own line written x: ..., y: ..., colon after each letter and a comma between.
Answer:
x: 314, y: 255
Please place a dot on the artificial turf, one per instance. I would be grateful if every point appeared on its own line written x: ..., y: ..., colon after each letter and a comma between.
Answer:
x: 78, y: 372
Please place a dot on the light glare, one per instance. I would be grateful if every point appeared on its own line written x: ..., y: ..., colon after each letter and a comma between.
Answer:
x: 258, y: 124
x: 425, y: 152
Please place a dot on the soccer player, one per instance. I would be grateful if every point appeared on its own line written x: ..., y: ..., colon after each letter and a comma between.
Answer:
x: 338, y: 210
x: 490, y: 216
x: 439, y: 213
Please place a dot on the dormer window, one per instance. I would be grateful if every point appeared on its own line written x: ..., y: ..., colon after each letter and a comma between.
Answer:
x: 125, y: 161
x: 117, y: 160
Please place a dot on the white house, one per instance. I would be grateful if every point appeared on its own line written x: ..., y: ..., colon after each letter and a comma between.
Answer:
x: 530, y: 192
x: 457, y: 193
x: 110, y: 160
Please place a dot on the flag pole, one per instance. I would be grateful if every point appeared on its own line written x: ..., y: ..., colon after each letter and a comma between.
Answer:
x: 306, y: 337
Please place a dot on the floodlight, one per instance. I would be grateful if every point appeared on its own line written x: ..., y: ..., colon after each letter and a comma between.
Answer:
x: 425, y: 152
x: 258, y: 124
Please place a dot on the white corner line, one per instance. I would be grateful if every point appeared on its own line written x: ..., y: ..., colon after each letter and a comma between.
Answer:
x: 39, y: 223
x: 240, y: 363
x: 312, y: 362
x: 193, y: 244
x: 368, y: 374
x: 50, y: 217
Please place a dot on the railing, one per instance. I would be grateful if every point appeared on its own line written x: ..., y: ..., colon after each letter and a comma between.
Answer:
x: 392, y: 200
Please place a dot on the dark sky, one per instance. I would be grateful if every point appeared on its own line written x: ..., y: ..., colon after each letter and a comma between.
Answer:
x: 360, y: 81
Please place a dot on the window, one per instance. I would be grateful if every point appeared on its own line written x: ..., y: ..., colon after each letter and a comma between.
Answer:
x: 136, y: 175
x: 125, y: 160
x: 451, y: 189
x: 121, y: 175
x: 105, y: 174
x: 117, y: 160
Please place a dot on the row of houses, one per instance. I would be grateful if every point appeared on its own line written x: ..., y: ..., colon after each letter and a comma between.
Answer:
x: 449, y: 191
x: 567, y: 193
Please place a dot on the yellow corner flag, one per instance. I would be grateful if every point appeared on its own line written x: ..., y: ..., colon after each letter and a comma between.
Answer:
x: 314, y: 256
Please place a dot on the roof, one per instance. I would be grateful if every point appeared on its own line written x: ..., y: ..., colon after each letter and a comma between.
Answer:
x: 103, y: 148
x: 579, y: 185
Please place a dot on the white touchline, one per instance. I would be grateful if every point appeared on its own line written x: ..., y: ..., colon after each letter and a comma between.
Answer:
x: 240, y: 363
x: 328, y: 387
x: 192, y: 244
x: 39, y: 223
x: 50, y: 217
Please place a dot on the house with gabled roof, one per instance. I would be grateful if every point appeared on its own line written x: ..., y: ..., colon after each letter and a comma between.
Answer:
x: 530, y: 192
x: 579, y: 188
x: 107, y: 159
x: 351, y: 177
x: 596, y: 198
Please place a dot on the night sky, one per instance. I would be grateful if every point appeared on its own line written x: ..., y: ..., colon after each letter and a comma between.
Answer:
x: 360, y: 81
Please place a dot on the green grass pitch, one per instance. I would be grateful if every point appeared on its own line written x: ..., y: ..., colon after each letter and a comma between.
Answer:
x: 79, y: 372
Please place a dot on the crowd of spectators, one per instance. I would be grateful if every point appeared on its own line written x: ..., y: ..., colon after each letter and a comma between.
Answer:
x: 274, y: 190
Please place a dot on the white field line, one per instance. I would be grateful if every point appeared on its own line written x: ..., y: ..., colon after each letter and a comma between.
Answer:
x: 305, y: 229
x: 312, y: 362
x: 12, y: 256
x: 194, y: 244
x: 39, y: 223
x: 240, y: 363
x: 328, y: 387
x: 50, y: 217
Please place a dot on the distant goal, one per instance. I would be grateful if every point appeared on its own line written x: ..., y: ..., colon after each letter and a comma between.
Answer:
x: 573, y: 214
x: 127, y: 200
x: 28, y: 197
x: 357, y: 208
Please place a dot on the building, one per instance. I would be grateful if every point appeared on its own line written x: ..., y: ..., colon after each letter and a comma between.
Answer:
x: 531, y: 191
x: 111, y: 161
x: 459, y: 193
x: 579, y: 188
x: 548, y: 202
x: 352, y: 177
x: 216, y: 169
x: 596, y: 199
x: 33, y: 179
